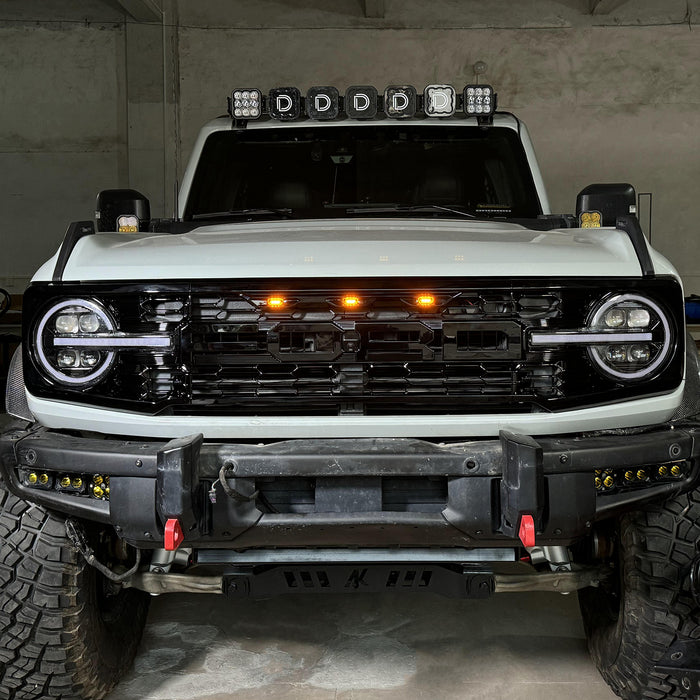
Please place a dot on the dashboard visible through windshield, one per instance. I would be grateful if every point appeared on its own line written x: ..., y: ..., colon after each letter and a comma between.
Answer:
x: 325, y: 172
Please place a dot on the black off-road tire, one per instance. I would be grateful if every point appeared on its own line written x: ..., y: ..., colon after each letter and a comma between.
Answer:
x: 648, y: 606
x: 61, y: 635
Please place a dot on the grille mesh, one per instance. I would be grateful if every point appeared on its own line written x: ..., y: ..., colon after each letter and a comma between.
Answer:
x: 314, y: 357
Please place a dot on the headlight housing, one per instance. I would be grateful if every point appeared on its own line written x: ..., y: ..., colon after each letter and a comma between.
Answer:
x: 630, y: 357
x: 67, y: 342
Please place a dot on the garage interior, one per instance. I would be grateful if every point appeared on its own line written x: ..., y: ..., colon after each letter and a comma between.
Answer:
x: 104, y: 94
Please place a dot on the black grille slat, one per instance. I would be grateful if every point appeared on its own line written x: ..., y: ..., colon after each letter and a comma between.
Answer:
x: 442, y: 380
x: 309, y: 352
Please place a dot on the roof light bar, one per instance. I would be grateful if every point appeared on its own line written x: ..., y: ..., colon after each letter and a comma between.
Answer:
x: 361, y: 102
x: 479, y: 100
x: 285, y: 103
x: 439, y: 101
x: 400, y: 101
x: 324, y: 103
x: 246, y: 103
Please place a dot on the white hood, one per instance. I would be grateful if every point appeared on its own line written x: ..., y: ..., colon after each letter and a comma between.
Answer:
x: 355, y: 248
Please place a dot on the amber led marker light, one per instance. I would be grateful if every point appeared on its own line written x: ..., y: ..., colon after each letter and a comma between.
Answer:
x: 425, y: 300
x: 351, y: 301
x: 275, y: 302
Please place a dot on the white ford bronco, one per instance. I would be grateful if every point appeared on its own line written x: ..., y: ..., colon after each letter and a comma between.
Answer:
x: 364, y: 356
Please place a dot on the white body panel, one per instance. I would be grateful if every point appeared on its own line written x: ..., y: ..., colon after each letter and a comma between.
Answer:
x: 351, y: 248
x: 57, y: 414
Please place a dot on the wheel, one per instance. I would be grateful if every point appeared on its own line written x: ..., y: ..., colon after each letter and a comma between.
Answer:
x: 647, y: 605
x: 64, y: 633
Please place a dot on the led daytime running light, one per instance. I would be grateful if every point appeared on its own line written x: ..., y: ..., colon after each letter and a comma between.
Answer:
x: 93, y: 371
x: 600, y: 355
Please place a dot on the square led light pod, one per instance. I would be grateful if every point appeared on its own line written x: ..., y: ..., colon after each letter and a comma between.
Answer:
x: 361, y: 102
x: 400, y: 101
x: 322, y: 102
x: 479, y: 100
x: 246, y: 103
x: 590, y: 219
x: 285, y: 103
x: 439, y: 100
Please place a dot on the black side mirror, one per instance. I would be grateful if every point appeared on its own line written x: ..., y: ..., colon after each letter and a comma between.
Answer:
x: 122, y: 210
x: 610, y: 200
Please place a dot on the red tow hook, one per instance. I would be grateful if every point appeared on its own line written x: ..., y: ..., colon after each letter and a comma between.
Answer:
x: 526, y: 531
x: 173, y: 535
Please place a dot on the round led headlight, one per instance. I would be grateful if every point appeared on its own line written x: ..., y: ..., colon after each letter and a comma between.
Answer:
x: 67, y: 342
x: 643, y: 336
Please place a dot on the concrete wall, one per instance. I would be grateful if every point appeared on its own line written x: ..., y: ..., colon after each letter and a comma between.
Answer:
x: 609, y: 97
x: 61, y: 125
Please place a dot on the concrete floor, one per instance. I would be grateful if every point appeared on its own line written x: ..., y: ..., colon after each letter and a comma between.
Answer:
x: 344, y: 647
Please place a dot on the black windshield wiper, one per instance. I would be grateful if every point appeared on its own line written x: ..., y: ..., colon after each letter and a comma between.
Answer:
x: 282, y: 213
x: 408, y: 208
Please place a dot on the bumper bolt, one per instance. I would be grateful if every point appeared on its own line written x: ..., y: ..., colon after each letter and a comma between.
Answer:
x: 563, y: 458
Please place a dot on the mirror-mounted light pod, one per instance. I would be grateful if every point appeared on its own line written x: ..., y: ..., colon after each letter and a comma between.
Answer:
x: 439, y: 100
x: 285, y: 103
x: 609, y: 199
x: 590, y: 219
x: 361, y: 102
x: 479, y: 101
x: 113, y: 205
x: 400, y: 101
x: 128, y: 223
x: 246, y: 103
x: 323, y: 102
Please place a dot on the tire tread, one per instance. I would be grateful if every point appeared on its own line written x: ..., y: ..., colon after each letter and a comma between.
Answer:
x: 48, y: 645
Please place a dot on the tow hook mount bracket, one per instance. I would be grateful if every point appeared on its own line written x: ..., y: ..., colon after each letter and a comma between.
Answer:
x: 522, y: 487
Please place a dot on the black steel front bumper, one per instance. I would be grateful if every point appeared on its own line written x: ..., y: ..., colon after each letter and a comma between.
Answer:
x: 489, y: 485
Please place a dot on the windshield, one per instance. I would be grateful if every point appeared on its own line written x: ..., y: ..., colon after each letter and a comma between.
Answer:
x: 322, y: 172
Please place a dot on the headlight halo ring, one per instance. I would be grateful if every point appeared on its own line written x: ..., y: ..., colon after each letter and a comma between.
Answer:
x: 595, y: 321
x: 45, y: 364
